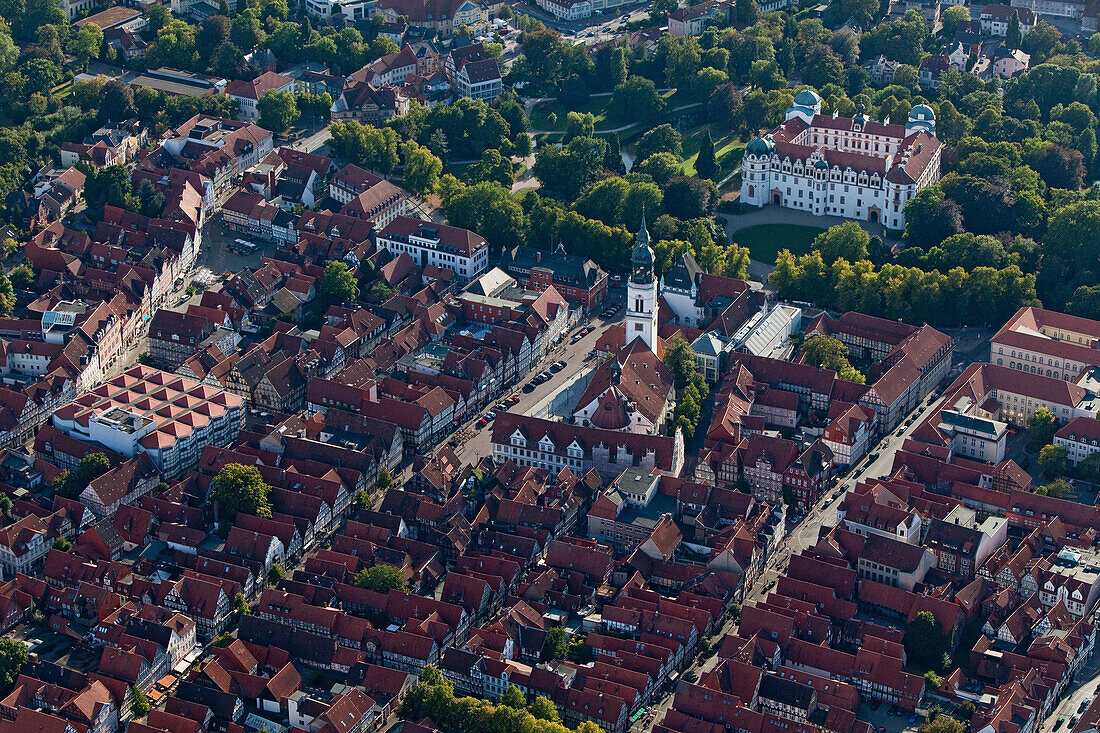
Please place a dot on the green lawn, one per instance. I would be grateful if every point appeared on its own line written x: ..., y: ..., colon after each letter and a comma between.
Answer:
x: 768, y: 240
x: 540, y: 115
x: 728, y: 149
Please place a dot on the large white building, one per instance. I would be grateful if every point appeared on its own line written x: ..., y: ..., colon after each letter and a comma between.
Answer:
x: 853, y: 167
x: 460, y: 250
x: 170, y: 418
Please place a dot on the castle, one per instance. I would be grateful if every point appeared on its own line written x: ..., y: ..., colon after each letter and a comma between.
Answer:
x: 853, y: 167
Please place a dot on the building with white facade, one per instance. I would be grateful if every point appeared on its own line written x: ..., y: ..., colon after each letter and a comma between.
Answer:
x: 248, y: 94
x: 1061, y: 8
x: 996, y: 18
x: 1046, y: 343
x: 1080, y: 437
x: 170, y: 418
x: 428, y: 243
x: 567, y: 9
x: 473, y: 73
x: 641, y: 293
x: 853, y: 167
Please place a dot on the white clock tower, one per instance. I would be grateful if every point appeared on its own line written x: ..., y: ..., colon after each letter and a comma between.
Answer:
x: 641, y: 294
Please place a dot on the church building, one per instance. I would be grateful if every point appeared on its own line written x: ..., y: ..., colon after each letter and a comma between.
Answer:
x: 853, y: 167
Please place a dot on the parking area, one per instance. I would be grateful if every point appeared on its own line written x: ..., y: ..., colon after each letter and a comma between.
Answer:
x: 888, y: 718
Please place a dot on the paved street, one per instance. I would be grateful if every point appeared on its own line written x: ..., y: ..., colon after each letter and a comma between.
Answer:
x: 803, y: 536
x: 1082, y: 689
x: 573, y: 354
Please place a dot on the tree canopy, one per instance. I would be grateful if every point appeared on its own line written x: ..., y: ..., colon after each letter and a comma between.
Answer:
x: 239, y: 488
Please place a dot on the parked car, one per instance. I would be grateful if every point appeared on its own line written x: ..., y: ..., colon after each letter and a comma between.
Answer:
x: 482, y: 422
x: 1058, y: 724
x: 514, y: 399
x: 529, y: 388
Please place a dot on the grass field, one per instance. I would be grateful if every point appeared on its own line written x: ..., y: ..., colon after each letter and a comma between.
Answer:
x: 597, y: 105
x: 728, y: 149
x: 540, y: 115
x: 768, y: 240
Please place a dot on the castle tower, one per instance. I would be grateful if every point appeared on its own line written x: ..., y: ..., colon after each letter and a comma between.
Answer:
x: 641, y: 293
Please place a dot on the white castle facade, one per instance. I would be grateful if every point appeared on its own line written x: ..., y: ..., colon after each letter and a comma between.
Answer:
x: 853, y: 167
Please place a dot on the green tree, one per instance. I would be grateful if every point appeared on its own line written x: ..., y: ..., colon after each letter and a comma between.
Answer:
x: 339, y: 282
x: 1014, y: 37
x: 661, y: 167
x: 275, y: 574
x: 240, y: 605
x: 579, y: 124
x: 91, y: 467
x: 951, y: 17
x: 1085, y: 301
x: 543, y: 709
x: 925, y: 643
x: 87, y: 44
x: 240, y: 488
x: 62, y: 543
x: 5, y: 505
x: 659, y: 10
x: 487, y: 208
x: 382, y: 578
x: 748, y: 12
x: 942, y: 724
x: 636, y: 99
x: 13, y: 655
x: 1059, y: 488
x: 555, y: 644
x: 931, y: 679
x: 422, y: 168
x: 278, y: 110
x: 1052, y: 459
x: 706, y: 165
x: 1040, y: 430
x: 513, y: 698
x: 139, y: 704
x: 492, y: 167
x: 844, y: 241
x: 690, y: 198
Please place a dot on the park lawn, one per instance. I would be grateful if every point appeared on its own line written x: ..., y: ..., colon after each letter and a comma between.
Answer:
x: 541, y: 113
x: 728, y: 149
x: 765, y: 241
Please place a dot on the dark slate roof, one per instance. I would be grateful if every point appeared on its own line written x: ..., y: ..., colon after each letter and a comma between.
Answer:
x: 569, y: 269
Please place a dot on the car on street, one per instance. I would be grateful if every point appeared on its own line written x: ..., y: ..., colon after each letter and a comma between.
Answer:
x: 482, y: 422
x: 1059, y: 722
x: 1073, y: 721
x: 529, y: 387
x: 514, y: 399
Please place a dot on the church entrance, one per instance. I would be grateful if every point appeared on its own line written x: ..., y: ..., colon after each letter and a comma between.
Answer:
x: 777, y: 199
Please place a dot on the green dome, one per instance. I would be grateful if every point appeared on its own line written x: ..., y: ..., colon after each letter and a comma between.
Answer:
x: 922, y: 112
x: 821, y: 165
x: 807, y: 98
x: 760, y: 146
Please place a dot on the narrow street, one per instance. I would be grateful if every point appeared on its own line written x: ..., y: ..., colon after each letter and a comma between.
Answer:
x: 800, y: 537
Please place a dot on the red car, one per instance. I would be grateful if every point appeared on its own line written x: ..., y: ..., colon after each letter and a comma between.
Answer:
x: 482, y: 422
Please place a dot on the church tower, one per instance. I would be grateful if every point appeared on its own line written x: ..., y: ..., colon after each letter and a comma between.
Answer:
x: 641, y: 293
